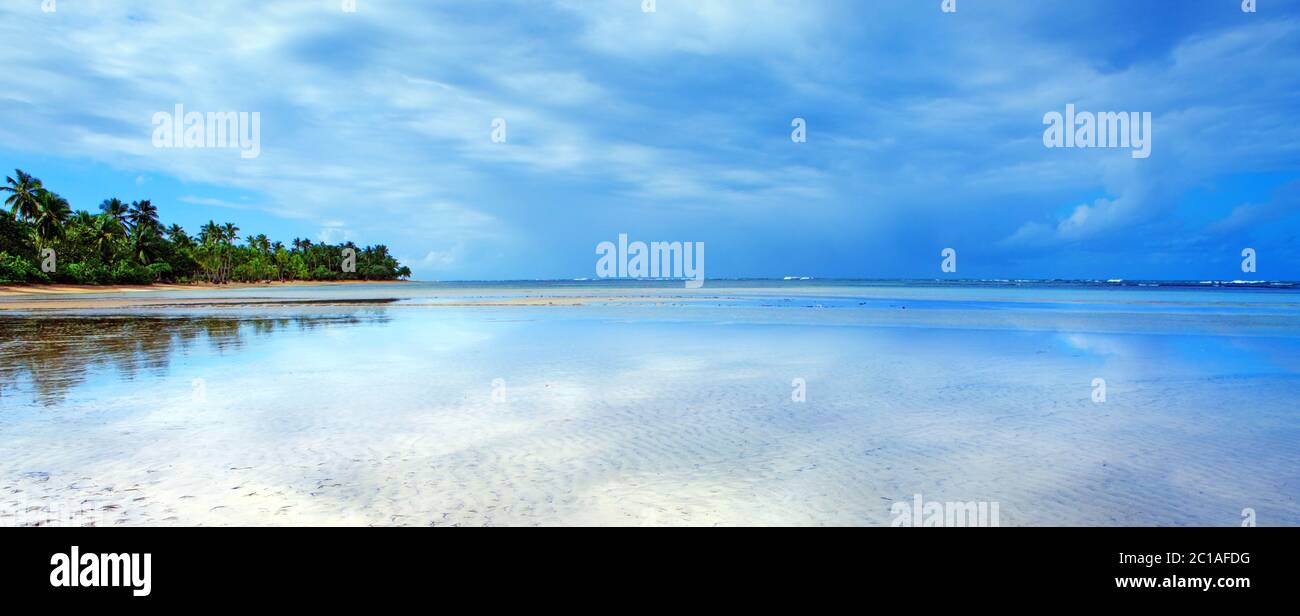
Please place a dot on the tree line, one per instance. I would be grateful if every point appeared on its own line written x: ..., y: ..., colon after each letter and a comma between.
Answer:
x: 128, y: 244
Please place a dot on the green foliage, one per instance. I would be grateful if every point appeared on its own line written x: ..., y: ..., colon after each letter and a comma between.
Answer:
x: 126, y: 272
x: 128, y: 244
x: 86, y: 273
x: 24, y: 190
x: 159, y: 271
x: 15, y: 237
x: 15, y: 269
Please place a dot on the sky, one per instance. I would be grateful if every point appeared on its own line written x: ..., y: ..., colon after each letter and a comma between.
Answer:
x: 924, y: 130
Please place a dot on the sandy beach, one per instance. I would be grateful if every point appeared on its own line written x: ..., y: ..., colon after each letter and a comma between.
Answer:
x: 78, y: 301
x: 77, y: 297
x: 24, y: 290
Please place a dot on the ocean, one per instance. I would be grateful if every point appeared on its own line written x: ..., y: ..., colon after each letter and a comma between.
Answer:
x: 791, y: 402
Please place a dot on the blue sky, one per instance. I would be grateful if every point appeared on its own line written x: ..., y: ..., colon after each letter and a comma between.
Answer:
x: 924, y: 130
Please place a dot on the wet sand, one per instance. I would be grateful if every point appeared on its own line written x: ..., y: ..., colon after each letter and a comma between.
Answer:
x: 76, y: 303
x: 41, y: 290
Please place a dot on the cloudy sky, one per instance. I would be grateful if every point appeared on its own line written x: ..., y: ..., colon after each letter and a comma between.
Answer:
x: 924, y: 129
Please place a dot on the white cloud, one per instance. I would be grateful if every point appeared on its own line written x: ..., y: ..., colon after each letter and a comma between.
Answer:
x: 380, y: 120
x: 333, y: 235
x: 702, y: 27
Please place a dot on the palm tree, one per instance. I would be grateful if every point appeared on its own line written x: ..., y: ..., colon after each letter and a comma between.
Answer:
x: 306, y: 254
x: 52, y: 214
x: 82, y: 218
x: 105, y: 232
x: 176, y: 234
x: 24, y: 192
x: 229, y: 232
x: 210, y: 233
x: 212, y: 252
x: 145, y: 240
x: 142, y: 214
x: 281, y: 258
x: 35, y: 217
x: 116, y: 209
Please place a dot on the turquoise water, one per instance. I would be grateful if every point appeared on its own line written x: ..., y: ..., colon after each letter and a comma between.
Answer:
x: 672, y: 409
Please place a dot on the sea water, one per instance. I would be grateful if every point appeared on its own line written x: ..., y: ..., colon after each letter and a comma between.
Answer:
x: 786, y: 403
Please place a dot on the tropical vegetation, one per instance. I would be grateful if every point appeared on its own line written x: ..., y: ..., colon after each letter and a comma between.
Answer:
x: 127, y: 243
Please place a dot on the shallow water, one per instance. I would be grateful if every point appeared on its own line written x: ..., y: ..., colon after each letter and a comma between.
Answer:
x: 672, y: 410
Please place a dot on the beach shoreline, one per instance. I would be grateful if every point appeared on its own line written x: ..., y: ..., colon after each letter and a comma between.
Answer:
x: 106, y: 303
x: 89, y: 297
x: 22, y: 290
x: 990, y: 299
